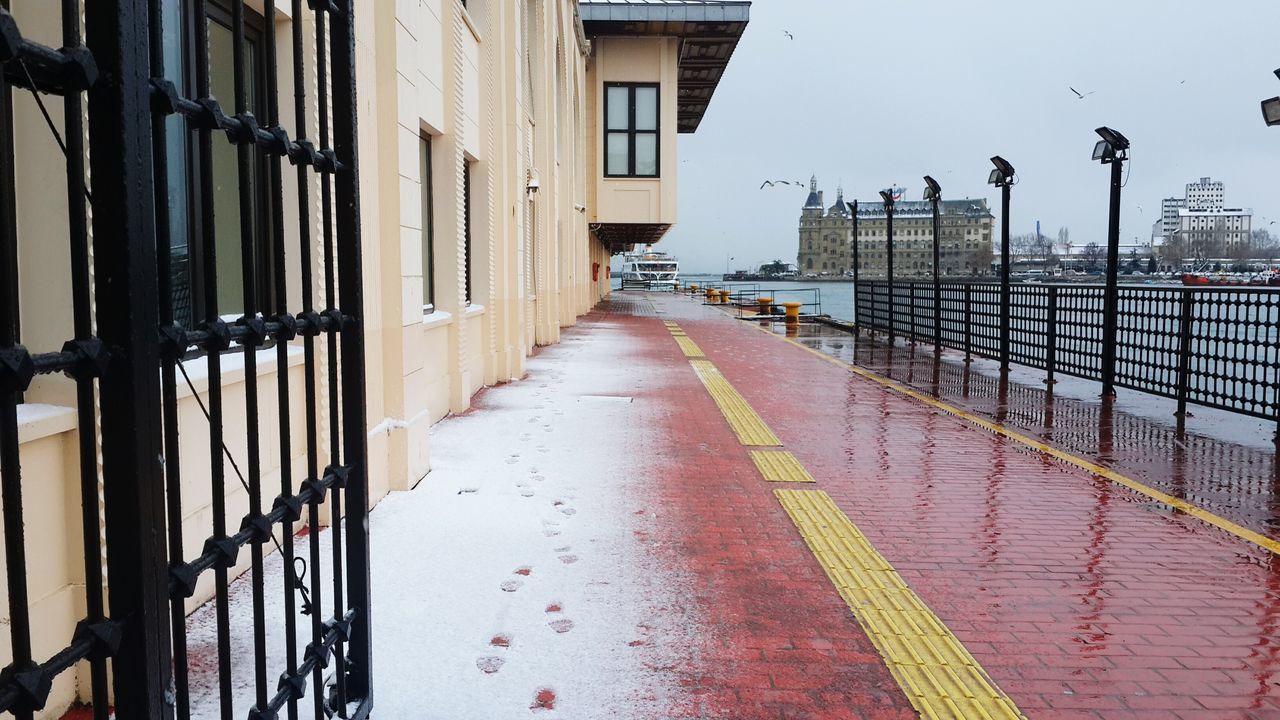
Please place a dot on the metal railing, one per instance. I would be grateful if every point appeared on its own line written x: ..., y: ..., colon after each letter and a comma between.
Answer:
x: 1214, y: 347
x: 135, y: 325
x: 810, y: 299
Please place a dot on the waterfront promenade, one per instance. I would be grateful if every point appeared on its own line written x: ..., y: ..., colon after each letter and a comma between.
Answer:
x: 679, y: 515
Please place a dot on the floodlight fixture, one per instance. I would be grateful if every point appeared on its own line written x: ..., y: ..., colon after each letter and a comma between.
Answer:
x: 1271, y: 110
x: 1119, y: 142
x: 1003, y: 174
x: 932, y: 190
x: 1104, y: 152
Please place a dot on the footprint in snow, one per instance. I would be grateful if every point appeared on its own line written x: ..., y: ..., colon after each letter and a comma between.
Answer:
x: 501, y: 640
x: 561, y: 626
x: 526, y: 492
x: 568, y: 559
x: 490, y: 665
x: 544, y: 699
x: 524, y: 570
x: 566, y: 548
x: 511, y: 585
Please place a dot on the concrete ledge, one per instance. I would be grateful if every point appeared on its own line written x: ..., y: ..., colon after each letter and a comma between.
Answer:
x: 38, y: 420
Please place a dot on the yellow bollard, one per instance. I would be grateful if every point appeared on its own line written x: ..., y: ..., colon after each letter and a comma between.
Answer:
x: 766, y: 305
x: 693, y: 287
x: 724, y: 297
x: 711, y: 295
x: 793, y: 312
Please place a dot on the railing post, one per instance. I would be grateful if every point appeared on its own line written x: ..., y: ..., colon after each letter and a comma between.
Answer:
x: 1051, y: 336
x: 1111, y: 299
x: 968, y: 322
x: 1186, y: 304
x: 124, y: 245
x: 355, y: 424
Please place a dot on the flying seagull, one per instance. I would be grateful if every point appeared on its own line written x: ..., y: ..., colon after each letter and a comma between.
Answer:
x: 771, y: 183
x: 1078, y: 93
x: 789, y: 35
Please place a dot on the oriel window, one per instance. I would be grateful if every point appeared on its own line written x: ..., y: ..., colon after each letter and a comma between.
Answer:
x: 631, y: 129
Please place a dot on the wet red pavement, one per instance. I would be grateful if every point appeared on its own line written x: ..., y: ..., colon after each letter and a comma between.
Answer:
x: 1080, y: 598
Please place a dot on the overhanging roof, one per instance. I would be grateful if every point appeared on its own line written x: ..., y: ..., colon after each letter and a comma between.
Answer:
x: 708, y: 31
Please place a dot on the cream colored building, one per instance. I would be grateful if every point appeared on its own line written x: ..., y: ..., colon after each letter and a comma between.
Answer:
x: 508, y: 148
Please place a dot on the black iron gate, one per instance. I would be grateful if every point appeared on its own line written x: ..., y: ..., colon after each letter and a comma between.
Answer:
x: 143, y: 312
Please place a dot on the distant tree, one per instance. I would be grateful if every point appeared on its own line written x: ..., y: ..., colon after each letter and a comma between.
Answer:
x: 979, y: 259
x: 1151, y: 264
x: 1264, y: 244
x: 1093, y: 253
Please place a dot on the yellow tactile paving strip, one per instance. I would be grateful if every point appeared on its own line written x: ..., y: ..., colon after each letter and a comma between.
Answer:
x: 939, y: 677
x: 689, y: 347
x: 746, y: 424
x: 780, y: 466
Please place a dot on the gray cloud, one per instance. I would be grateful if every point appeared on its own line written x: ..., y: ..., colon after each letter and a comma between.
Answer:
x: 873, y: 94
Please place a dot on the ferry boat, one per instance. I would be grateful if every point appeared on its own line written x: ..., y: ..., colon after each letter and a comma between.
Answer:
x: 650, y: 269
x: 1269, y: 279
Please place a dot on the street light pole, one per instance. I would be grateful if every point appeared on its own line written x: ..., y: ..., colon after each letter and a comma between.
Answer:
x: 933, y: 192
x: 887, y: 197
x: 1002, y: 177
x: 1112, y: 150
x: 853, y: 210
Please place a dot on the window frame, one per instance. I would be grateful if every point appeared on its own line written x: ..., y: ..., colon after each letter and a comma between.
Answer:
x: 631, y: 131
x: 425, y: 158
x: 219, y: 11
x: 466, y: 230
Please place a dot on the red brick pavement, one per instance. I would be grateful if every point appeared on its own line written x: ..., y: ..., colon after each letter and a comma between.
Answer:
x: 1080, y: 598
x: 775, y: 639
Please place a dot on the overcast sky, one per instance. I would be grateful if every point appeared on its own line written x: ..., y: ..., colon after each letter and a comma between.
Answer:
x: 878, y: 93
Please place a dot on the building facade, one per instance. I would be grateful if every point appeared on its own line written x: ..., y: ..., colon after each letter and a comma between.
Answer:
x: 1215, y: 230
x: 826, y: 237
x: 507, y: 149
x: 1206, y: 194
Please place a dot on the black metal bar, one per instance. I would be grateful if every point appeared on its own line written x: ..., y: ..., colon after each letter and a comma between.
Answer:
x: 857, y: 263
x: 359, y: 671
x: 968, y: 323
x: 309, y: 360
x: 9, y: 281
x: 1004, y: 277
x: 82, y: 309
x: 217, y: 469
x: 290, y: 588
x: 168, y: 378
x: 911, y: 309
x: 1051, y: 335
x: 248, y: 272
x: 1111, y: 299
x: 125, y: 281
x: 330, y: 284
x: 893, y: 300
x: 10, y: 394
x: 937, y: 277
x: 1186, y: 305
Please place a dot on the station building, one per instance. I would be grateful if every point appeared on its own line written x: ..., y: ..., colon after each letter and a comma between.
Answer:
x: 507, y: 149
x: 826, y: 237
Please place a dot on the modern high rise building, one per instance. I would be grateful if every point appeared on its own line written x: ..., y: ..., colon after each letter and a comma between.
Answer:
x: 1207, y: 194
x: 826, y: 237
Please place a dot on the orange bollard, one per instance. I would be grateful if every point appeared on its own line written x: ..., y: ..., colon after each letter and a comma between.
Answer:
x: 766, y: 305
x: 793, y: 312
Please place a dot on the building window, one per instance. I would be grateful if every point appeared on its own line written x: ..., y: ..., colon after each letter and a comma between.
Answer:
x: 466, y: 226
x: 631, y: 130
x: 428, y: 226
x: 187, y: 235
